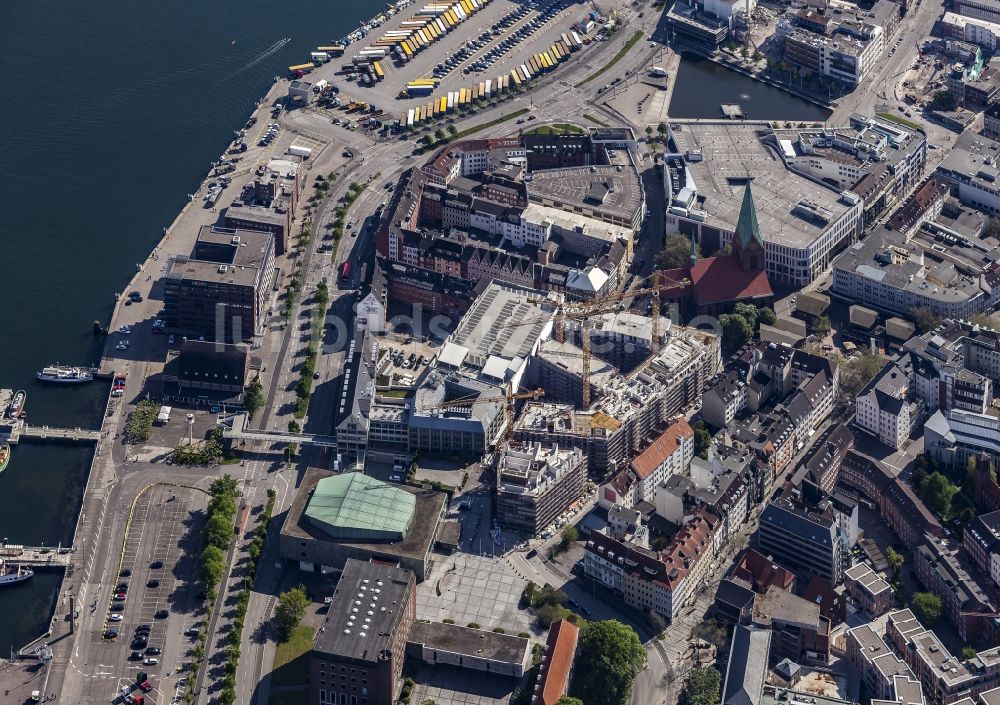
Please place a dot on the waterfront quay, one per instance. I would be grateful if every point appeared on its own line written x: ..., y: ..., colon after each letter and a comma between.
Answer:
x: 138, y: 510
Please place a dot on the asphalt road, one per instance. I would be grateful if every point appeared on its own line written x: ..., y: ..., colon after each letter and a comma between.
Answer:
x: 94, y: 667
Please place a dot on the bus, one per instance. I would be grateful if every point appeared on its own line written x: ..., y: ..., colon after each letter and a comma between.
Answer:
x: 345, y: 271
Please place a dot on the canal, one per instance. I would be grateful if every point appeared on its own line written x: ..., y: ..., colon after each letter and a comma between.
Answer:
x: 702, y: 86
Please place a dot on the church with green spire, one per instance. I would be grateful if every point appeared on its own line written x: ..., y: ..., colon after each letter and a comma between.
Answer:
x: 716, y: 284
x: 747, y: 243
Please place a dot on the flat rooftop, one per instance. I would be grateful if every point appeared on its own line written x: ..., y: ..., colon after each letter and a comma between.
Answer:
x: 618, y: 193
x: 366, y: 609
x: 732, y: 154
x: 498, y: 648
x: 886, y: 257
x: 500, y: 323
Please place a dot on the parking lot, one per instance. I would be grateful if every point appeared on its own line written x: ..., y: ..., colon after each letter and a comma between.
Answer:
x: 489, y: 43
x: 154, y: 593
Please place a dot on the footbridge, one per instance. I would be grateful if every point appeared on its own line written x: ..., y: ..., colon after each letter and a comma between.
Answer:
x: 235, y: 428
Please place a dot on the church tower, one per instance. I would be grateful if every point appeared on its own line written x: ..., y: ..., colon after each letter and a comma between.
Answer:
x: 747, y: 243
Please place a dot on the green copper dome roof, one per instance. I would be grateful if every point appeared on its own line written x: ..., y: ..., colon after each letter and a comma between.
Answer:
x: 356, y: 507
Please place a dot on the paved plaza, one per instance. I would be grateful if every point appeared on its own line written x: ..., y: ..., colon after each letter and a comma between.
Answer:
x: 473, y: 589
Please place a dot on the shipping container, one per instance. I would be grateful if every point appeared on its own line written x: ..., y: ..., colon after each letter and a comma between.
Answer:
x: 407, y: 49
x: 451, y: 100
x: 304, y: 68
x: 442, y: 105
x: 333, y: 50
x: 409, y: 117
x: 379, y: 73
x: 489, y: 87
x: 516, y: 75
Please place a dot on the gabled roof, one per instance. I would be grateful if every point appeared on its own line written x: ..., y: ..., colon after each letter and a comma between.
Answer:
x: 747, y: 670
x: 661, y: 449
x: 559, y: 652
x: 722, y: 279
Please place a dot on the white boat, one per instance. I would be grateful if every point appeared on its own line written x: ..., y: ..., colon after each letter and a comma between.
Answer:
x: 10, y: 574
x: 65, y: 375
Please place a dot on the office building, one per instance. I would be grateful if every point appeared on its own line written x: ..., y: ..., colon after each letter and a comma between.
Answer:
x: 537, y: 483
x: 359, y: 652
x: 869, y: 591
x: 220, y: 291
x: 807, y: 539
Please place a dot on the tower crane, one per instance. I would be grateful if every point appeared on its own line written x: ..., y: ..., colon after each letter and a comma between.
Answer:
x: 583, y: 310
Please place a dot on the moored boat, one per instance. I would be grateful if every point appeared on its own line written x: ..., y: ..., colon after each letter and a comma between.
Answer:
x: 65, y: 375
x: 4, y: 456
x: 10, y: 574
x: 16, y: 407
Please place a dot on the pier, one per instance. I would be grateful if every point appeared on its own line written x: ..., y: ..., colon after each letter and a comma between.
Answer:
x: 38, y: 556
x: 13, y: 429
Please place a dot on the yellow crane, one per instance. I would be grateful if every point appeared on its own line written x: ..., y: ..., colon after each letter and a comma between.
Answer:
x: 583, y: 310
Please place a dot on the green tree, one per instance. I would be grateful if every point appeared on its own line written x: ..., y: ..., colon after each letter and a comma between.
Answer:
x: 944, y: 100
x: 857, y: 372
x: 928, y: 608
x: 735, y: 331
x: 676, y: 252
x: 224, y: 485
x: 253, y: 399
x: 293, y: 427
x: 662, y: 128
x: 757, y: 56
x: 702, y: 439
x: 452, y: 130
x: 608, y: 658
x: 766, y: 316
x: 288, y: 613
x: 895, y: 560
x: 569, y: 535
x: 937, y: 491
x: 702, y: 687
x: 744, y: 52
x: 711, y: 631
x: 213, y: 565
x: 749, y: 313
x: 219, y: 530
x: 968, y: 653
x: 822, y: 325
x: 439, y: 134
x: 924, y: 319
x: 569, y: 700
x: 649, y: 130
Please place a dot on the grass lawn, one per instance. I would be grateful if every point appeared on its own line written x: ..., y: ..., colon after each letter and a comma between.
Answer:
x: 470, y: 131
x: 291, y: 665
x: 595, y: 120
x: 617, y: 57
x: 395, y: 394
x: 902, y: 121
x: 557, y: 129
x: 477, y: 128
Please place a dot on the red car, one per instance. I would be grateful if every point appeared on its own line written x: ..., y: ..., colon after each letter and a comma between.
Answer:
x: 145, y: 686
